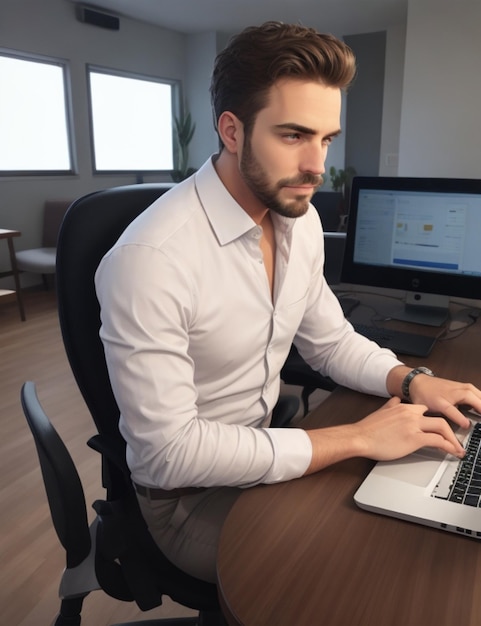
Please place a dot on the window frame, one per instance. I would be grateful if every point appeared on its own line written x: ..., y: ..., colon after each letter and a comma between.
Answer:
x: 64, y: 65
x: 175, y: 86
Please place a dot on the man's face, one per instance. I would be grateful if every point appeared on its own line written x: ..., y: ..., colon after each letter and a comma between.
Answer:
x: 283, y: 159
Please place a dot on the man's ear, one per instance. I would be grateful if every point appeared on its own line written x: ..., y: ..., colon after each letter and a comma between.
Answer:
x: 231, y: 131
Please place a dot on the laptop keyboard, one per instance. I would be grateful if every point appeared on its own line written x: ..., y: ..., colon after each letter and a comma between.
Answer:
x: 398, y: 341
x: 465, y: 487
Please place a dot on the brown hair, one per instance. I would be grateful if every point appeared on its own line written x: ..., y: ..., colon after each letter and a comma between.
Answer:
x: 259, y: 56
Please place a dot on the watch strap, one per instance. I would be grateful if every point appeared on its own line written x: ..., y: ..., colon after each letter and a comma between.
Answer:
x: 409, y: 377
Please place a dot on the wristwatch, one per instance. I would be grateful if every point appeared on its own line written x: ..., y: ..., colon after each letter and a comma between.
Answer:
x: 407, y: 381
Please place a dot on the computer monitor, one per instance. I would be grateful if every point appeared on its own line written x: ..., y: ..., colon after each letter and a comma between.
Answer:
x: 419, y: 235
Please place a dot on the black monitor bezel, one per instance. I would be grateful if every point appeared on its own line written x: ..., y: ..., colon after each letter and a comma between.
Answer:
x: 409, y: 280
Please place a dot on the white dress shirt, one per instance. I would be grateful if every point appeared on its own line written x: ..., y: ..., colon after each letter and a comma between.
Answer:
x: 195, y: 343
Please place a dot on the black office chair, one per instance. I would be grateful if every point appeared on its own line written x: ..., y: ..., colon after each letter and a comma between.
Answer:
x: 128, y: 564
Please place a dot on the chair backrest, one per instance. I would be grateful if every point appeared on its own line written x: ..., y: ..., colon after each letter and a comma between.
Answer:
x: 127, y: 559
x: 89, y: 229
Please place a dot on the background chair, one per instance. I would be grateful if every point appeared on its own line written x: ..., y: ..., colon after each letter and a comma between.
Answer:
x: 296, y: 371
x: 43, y: 260
x: 127, y: 563
x: 329, y: 205
x: 334, y: 244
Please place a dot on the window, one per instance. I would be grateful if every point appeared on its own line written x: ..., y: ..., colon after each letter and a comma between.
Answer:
x: 131, y: 120
x: 34, y: 116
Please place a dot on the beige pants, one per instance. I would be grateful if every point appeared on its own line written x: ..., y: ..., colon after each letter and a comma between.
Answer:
x: 187, y: 529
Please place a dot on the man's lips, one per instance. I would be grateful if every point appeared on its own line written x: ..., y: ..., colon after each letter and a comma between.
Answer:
x: 301, y: 187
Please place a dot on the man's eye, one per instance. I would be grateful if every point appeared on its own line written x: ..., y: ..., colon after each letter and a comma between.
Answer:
x: 292, y: 136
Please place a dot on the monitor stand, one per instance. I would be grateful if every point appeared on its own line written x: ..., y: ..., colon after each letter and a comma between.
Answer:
x: 423, y: 308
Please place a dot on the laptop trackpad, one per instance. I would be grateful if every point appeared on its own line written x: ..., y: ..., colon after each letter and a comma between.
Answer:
x: 416, y: 469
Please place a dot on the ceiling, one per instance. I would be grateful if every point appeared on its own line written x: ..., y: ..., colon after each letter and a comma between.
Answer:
x: 340, y: 17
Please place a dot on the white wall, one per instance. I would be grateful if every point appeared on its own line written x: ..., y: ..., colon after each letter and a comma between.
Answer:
x: 393, y: 87
x: 440, y: 131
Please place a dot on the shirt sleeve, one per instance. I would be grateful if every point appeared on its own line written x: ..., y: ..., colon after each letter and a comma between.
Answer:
x: 147, y: 308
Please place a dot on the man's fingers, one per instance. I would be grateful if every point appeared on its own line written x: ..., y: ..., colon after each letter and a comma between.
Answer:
x: 443, y: 434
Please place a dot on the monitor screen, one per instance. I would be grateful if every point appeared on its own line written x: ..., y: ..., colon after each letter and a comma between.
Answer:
x: 419, y: 235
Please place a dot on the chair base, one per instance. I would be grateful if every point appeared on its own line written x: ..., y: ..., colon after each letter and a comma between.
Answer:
x: 70, y: 612
x: 205, y: 618
x: 175, y: 621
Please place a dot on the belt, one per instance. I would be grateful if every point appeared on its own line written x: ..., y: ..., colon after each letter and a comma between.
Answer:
x: 154, y: 493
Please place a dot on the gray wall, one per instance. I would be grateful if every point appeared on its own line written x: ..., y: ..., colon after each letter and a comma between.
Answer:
x: 365, y: 104
x: 201, y: 51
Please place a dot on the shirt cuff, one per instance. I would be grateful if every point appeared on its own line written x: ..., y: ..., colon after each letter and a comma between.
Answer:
x: 292, y: 454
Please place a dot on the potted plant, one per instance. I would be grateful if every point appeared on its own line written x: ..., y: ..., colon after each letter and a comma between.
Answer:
x: 341, y: 182
x: 184, y: 131
x: 341, y: 179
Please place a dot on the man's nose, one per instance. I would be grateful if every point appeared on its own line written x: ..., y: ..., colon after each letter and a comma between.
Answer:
x: 314, y: 159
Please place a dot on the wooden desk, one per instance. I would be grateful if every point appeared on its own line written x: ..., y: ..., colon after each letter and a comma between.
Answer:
x: 302, y: 554
x: 13, y: 271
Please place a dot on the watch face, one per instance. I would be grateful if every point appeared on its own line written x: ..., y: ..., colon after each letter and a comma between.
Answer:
x: 425, y: 370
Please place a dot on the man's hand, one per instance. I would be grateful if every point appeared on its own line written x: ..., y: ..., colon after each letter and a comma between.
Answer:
x: 444, y: 396
x: 396, y: 430
x: 439, y: 395
x: 391, y: 432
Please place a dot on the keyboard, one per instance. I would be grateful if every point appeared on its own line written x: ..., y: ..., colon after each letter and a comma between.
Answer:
x: 466, y: 485
x: 400, y: 342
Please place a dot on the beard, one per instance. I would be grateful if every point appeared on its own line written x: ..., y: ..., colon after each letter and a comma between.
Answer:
x: 269, y: 193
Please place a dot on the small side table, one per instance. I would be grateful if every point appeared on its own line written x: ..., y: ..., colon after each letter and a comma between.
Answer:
x: 9, y: 235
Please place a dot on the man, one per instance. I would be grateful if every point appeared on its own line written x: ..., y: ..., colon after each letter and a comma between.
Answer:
x: 204, y: 293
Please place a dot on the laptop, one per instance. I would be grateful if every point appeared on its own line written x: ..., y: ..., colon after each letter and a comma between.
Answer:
x: 429, y: 487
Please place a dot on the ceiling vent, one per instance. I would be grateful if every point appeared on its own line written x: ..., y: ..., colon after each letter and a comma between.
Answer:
x: 97, y: 18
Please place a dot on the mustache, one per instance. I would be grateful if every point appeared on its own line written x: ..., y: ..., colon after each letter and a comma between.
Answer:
x: 305, y: 179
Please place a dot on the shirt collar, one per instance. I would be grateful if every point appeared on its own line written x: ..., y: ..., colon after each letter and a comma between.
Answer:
x: 228, y: 219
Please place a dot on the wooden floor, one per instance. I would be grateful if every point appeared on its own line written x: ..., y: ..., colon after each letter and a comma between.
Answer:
x: 30, y: 555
